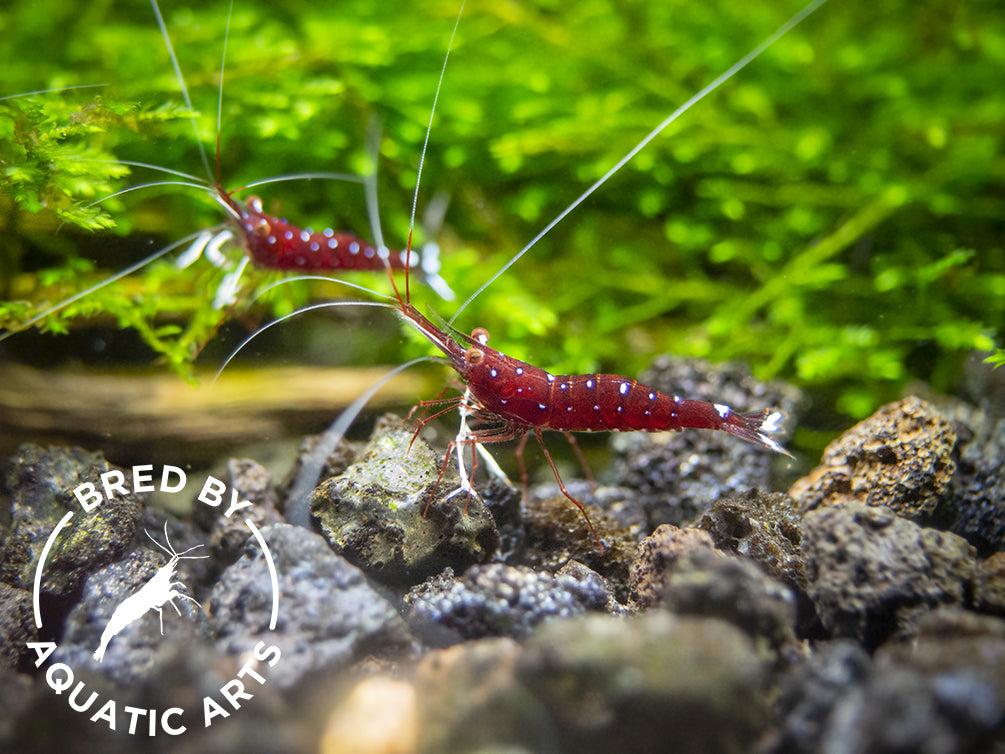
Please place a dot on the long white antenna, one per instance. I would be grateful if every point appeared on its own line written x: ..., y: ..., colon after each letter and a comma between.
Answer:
x: 181, y: 82
x: 732, y: 71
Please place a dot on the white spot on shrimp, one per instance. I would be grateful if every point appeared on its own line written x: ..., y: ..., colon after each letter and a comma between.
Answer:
x: 770, y: 443
x: 305, y: 235
x: 354, y: 248
x: 328, y: 232
x: 519, y: 389
x: 619, y: 409
x: 272, y: 240
x: 772, y: 423
x: 625, y: 387
x: 332, y: 243
x: 676, y: 399
x: 652, y: 396
x: 551, y: 377
x: 596, y: 407
x: 519, y: 370
x: 564, y: 386
x: 503, y: 401
x: 288, y: 235
x: 369, y: 252
x: 315, y: 246
x: 569, y: 409
x: 724, y: 411
x: 589, y: 383
x: 494, y: 372
x: 541, y: 406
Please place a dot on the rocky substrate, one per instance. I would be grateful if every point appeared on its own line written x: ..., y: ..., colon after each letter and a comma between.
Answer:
x: 862, y: 611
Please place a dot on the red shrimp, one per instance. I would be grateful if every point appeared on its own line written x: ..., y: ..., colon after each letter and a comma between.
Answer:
x: 275, y: 243
x: 509, y: 399
x: 270, y: 242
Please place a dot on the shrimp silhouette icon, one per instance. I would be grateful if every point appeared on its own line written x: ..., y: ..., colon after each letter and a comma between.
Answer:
x: 160, y: 589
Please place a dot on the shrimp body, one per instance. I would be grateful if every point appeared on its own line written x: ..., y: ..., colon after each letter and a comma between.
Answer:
x: 276, y: 244
x: 527, y: 397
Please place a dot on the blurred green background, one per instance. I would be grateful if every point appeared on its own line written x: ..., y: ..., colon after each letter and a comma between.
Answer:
x: 833, y: 215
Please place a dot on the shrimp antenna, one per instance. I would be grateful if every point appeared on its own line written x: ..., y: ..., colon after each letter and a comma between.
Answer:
x: 219, y: 99
x: 53, y: 90
x: 304, y: 310
x: 732, y: 71
x: 425, y: 143
x: 97, y: 286
x: 373, y: 134
x: 181, y: 81
x: 298, y: 511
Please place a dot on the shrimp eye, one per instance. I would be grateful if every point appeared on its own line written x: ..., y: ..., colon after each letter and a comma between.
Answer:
x: 481, y: 335
x: 261, y: 227
x: 474, y: 356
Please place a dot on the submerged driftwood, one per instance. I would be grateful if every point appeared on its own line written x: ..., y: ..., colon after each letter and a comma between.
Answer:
x: 138, y: 413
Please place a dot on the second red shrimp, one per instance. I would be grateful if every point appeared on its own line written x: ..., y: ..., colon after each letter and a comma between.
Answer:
x: 269, y: 241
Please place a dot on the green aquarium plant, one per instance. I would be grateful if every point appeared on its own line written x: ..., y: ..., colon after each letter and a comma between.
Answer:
x: 832, y: 216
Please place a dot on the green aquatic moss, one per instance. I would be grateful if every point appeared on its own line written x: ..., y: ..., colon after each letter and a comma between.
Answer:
x: 832, y: 215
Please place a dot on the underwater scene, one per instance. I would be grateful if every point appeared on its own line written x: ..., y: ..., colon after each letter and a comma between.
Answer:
x: 483, y: 376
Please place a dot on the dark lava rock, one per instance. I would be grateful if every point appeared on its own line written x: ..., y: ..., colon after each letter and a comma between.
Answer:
x: 979, y: 483
x: 341, y: 458
x: 989, y: 586
x: 681, y: 570
x: 136, y: 642
x: 379, y: 516
x: 956, y: 641
x: 556, y: 531
x: 658, y: 555
x: 40, y: 483
x: 328, y: 615
x: 505, y: 503
x: 841, y: 704
x: 871, y: 574
x: 762, y: 527
x: 939, y: 693
x: 902, y: 711
x: 587, y: 576
x: 652, y: 682
x: 17, y: 693
x: 734, y: 590
x: 499, y: 600
x: 678, y: 474
x: 810, y: 692
x: 900, y: 458
x: 17, y: 625
x: 961, y: 658
x: 228, y: 534
x: 320, y: 457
